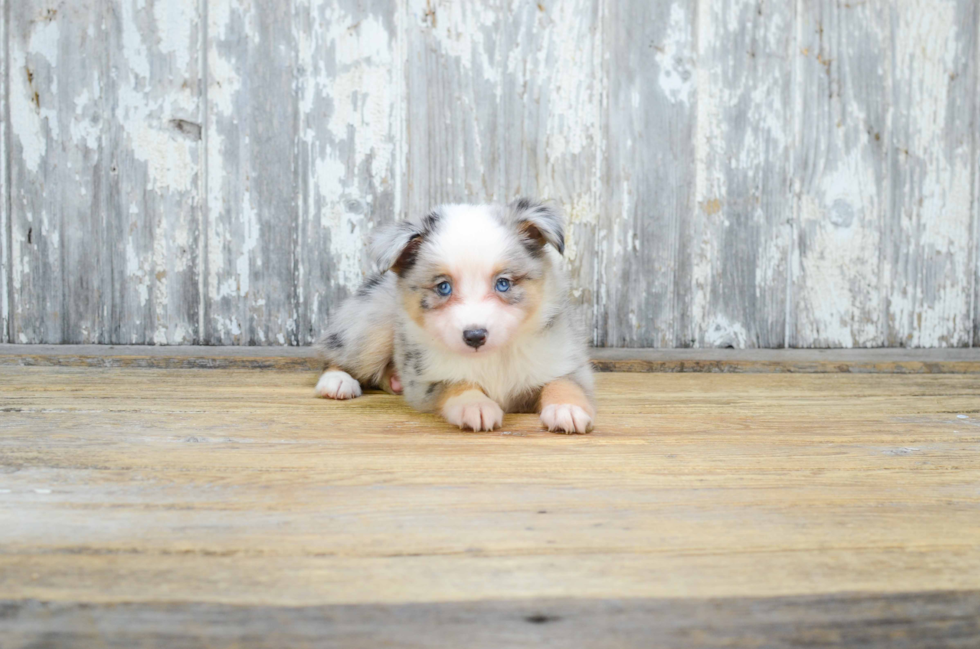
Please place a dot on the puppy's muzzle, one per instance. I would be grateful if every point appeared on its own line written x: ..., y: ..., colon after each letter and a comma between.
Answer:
x: 475, y: 337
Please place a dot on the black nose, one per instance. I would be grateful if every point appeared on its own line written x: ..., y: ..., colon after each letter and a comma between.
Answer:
x: 475, y: 337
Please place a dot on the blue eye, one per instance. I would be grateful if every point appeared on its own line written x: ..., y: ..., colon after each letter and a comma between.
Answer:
x: 503, y: 285
x: 444, y: 288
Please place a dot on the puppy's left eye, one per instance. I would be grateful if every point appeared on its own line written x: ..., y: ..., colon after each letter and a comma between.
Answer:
x: 444, y: 288
x: 503, y: 285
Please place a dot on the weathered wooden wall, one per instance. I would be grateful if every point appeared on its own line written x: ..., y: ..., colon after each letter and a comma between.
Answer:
x: 747, y: 173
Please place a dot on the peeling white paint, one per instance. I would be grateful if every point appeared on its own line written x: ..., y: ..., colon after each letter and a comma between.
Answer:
x: 675, y: 67
x: 27, y: 121
x: 516, y: 100
x: 935, y: 180
x: 722, y: 332
x: 176, y: 24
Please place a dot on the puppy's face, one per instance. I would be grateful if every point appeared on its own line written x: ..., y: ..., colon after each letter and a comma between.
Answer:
x: 472, y: 276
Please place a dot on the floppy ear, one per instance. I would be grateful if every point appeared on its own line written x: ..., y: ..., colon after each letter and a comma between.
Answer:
x: 395, y: 246
x: 539, y: 223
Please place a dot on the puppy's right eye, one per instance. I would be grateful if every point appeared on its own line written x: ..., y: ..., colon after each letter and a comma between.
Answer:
x: 444, y: 289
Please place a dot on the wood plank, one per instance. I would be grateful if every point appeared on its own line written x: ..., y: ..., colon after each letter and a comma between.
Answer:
x: 154, y: 107
x: 932, y: 159
x: 350, y: 105
x: 644, y: 235
x: 4, y: 195
x: 975, y: 310
x: 58, y: 171
x: 452, y: 78
x: 741, y: 235
x: 252, y: 181
x: 868, y: 361
x: 158, y: 506
x: 807, y: 361
x: 502, y: 103
x: 843, y: 176
x: 950, y: 619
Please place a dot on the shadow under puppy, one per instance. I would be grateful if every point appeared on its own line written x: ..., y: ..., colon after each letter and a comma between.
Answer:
x: 469, y: 318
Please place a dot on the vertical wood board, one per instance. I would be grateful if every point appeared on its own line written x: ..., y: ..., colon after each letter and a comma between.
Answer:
x: 742, y: 222
x: 56, y: 99
x: 153, y: 102
x: 350, y: 97
x: 643, y: 243
x: 252, y: 111
x: 842, y: 177
x: 4, y: 194
x: 744, y: 173
x: 928, y: 248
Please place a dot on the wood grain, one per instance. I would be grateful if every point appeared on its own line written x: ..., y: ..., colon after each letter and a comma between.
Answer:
x: 104, y: 197
x: 4, y: 194
x: 348, y: 151
x: 736, y: 172
x: 805, y: 361
x: 252, y: 224
x: 644, y: 238
x: 155, y: 113
x: 842, y: 176
x: 945, y: 619
x: 741, y: 232
x: 153, y: 489
x: 932, y: 160
x: 58, y: 174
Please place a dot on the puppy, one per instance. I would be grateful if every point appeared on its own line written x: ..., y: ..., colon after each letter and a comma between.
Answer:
x: 468, y: 318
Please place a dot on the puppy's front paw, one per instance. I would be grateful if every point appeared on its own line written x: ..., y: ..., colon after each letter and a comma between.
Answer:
x: 337, y: 384
x: 474, y: 410
x: 566, y: 418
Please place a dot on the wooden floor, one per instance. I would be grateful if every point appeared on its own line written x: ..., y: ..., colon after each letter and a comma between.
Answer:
x: 228, y: 508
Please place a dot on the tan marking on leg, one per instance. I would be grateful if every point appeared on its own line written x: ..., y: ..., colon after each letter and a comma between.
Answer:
x: 563, y: 391
x: 453, y: 390
x: 467, y: 406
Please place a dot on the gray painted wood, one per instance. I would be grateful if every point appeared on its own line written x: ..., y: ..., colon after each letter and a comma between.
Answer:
x: 609, y: 359
x: 842, y: 182
x: 4, y: 194
x: 252, y: 121
x: 932, y: 159
x: 105, y: 116
x: 349, y: 95
x: 742, y: 222
x: 975, y: 263
x: 868, y: 619
x: 59, y: 265
x: 643, y: 255
x: 888, y: 160
x: 154, y: 105
x: 737, y: 172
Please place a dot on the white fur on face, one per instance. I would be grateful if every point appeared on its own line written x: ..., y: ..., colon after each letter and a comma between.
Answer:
x: 472, y: 243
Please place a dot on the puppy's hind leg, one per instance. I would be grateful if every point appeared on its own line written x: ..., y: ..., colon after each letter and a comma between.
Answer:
x: 358, y: 345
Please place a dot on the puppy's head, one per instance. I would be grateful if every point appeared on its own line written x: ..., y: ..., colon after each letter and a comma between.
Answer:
x: 473, y: 276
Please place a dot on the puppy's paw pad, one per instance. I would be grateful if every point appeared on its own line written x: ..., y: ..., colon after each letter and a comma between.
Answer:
x: 473, y: 410
x: 335, y: 384
x: 566, y: 418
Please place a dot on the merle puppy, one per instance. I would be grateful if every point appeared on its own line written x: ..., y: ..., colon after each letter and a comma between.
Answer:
x: 468, y: 318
